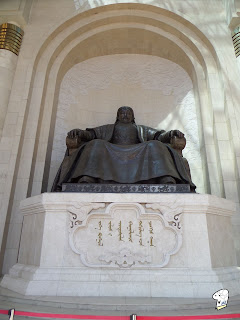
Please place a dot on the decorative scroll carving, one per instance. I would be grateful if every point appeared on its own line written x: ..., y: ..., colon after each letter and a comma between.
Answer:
x: 79, y: 211
x: 125, y: 258
x: 172, y: 213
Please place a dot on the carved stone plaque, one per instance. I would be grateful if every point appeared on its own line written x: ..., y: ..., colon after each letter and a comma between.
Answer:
x: 125, y: 235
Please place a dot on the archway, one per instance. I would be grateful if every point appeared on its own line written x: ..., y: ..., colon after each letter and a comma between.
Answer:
x: 134, y: 32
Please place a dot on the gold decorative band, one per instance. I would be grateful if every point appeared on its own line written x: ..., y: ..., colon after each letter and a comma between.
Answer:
x: 236, y: 41
x: 10, y: 37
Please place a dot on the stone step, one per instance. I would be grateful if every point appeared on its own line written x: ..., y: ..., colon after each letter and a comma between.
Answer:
x: 122, y: 306
x: 108, y: 303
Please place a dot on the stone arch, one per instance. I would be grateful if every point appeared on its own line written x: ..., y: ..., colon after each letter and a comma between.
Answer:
x: 186, y: 45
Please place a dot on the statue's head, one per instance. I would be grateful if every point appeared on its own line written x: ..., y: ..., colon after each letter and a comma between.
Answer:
x: 125, y: 115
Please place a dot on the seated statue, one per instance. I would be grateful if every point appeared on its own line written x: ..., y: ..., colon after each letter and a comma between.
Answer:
x: 124, y: 152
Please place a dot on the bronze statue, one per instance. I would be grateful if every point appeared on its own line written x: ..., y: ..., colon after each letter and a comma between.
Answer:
x: 124, y: 153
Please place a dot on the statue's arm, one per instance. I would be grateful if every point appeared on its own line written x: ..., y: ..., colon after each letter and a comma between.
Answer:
x: 166, y: 137
x: 77, y: 137
x: 177, y: 141
x: 84, y: 135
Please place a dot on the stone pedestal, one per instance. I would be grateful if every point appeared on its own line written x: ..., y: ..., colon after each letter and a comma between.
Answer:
x: 143, y: 245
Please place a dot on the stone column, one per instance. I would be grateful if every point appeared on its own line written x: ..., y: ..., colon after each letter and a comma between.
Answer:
x: 10, y: 42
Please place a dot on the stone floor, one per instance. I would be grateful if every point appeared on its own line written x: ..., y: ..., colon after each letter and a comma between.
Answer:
x: 122, y: 306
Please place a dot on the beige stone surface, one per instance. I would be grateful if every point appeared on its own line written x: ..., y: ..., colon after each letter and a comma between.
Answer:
x: 61, y: 34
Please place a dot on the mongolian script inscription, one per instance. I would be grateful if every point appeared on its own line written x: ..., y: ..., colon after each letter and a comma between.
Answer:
x: 126, y: 232
x: 125, y: 236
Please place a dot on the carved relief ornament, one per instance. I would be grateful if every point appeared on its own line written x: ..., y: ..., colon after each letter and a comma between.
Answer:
x: 125, y: 235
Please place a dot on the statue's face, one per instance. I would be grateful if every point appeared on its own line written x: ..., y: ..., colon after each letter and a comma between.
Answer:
x: 125, y: 115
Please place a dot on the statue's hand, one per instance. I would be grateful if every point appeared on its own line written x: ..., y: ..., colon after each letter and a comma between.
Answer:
x: 176, y: 133
x: 74, y: 133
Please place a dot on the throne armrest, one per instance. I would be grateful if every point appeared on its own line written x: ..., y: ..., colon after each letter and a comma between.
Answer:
x: 73, y: 143
x: 176, y: 143
x: 179, y: 144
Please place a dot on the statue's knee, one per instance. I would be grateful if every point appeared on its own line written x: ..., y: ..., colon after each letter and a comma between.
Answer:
x: 167, y: 180
x: 87, y: 179
x: 153, y: 143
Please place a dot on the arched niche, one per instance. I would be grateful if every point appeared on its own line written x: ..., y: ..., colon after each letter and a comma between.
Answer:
x: 133, y: 42
x: 120, y: 30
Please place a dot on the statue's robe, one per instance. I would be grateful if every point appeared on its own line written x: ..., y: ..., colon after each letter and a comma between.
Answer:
x: 147, y: 160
